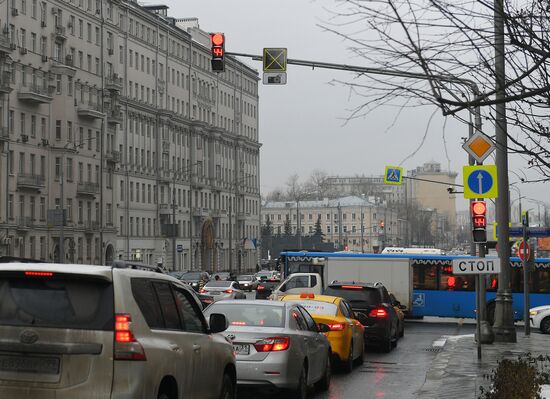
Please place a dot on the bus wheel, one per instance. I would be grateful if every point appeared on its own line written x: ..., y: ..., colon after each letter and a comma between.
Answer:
x: 491, y: 313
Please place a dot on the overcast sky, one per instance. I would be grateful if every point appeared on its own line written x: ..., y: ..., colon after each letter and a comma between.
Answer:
x: 302, y: 124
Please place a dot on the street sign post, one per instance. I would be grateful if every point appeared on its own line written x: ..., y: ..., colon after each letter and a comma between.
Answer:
x: 480, y: 181
x: 274, y: 60
x: 476, y: 266
x: 479, y: 146
x: 393, y: 175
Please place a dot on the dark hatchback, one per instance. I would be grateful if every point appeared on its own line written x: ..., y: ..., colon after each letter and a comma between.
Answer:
x: 371, y: 304
x: 265, y: 288
x: 196, y: 280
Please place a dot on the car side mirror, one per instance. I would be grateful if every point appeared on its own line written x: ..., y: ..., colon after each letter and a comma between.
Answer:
x: 323, y: 328
x: 218, y: 323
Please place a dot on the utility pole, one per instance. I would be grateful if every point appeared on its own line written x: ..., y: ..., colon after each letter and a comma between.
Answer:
x: 230, y: 233
x: 340, y: 237
x: 525, y: 264
x: 62, y: 200
x: 174, y: 230
x: 362, y: 226
x: 298, y: 224
x: 504, y: 328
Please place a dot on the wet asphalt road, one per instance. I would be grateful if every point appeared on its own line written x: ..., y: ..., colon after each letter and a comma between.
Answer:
x: 396, y: 375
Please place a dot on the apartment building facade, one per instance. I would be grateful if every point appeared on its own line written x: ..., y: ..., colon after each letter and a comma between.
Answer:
x: 110, y: 111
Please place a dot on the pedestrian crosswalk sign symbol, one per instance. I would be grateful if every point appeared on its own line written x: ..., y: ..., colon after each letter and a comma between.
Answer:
x: 393, y: 175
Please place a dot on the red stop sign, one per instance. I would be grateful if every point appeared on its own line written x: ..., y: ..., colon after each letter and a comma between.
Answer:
x: 524, y: 251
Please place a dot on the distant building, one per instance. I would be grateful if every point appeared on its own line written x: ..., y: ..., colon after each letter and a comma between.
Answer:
x: 341, y: 220
x: 370, y: 186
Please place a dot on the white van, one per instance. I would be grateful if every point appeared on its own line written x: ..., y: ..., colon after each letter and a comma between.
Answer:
x: 298, y: 283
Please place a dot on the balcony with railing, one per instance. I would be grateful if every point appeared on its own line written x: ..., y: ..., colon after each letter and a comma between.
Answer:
x: 89, y: 110
x: 5, y: 83
x: 113, y: 156
x: 5, y: 43
x: 4, y: 134
x: 87, y: 189
x: 35, y: 94
x: 30, y: 181
x: 91, y: 227
x: 24, y: 223
x: 60, y: 33
x: 166, y: 209
x: 198, y: 212
x: 243, y: 215
x: 113, y: 82
x: 115, y: 115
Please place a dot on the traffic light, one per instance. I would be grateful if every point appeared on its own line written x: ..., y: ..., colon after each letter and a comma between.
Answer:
x: 217, y: 42
x: 479, y: 221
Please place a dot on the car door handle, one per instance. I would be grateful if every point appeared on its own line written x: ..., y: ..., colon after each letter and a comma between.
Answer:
x: 175, y: 348
x: 196, y: 348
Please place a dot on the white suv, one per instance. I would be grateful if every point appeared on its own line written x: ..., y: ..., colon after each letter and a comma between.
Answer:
x: 78, y: 331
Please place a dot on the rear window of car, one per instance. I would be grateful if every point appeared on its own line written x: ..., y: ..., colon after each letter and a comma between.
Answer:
x: 220, y: 283
x: 270, y: 283
x: 318, y: 307
x: 63, y: 301
x: 244, y: 278
x: 245, y: 315
x: 368, y: 296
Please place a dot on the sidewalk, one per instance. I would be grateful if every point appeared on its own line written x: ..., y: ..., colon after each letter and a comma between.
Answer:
x: 456, y: 373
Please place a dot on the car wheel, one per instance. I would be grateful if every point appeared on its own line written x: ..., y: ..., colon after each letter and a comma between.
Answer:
x: 387, y: 345
x: 324, y: 383
x: 545, y: 325
x: 361, y: 359
x: 228, y: 388
x: 348, y: 364
x: 301, y: 390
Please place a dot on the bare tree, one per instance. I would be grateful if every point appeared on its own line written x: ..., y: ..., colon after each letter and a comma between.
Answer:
x: 317, y: 184
x: 454, y: 39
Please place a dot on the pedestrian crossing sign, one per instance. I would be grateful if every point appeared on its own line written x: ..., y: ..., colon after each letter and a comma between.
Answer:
x: 393, y: 175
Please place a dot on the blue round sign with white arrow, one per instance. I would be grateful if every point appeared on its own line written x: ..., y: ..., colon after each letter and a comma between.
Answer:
x: 480, y: 181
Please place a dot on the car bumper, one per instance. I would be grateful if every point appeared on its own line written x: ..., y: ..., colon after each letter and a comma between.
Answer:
x: 275, y: 371
x: 339, y: 344
x: 375, y: 333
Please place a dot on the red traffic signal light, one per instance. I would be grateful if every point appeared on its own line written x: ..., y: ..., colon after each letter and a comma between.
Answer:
x: 217, y: 42
x: 479, y: 208
x: 479, y: 221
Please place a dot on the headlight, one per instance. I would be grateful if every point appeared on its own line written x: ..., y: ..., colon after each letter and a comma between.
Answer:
x: 194, y: 284
x: 534, y: 312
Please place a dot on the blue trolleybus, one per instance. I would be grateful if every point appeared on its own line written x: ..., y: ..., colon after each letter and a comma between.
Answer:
x: 436, y: 291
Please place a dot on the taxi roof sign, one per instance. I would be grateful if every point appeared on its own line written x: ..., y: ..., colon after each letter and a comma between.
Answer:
x: 479, y: 146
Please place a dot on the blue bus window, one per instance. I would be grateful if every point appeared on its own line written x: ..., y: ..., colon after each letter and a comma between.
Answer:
x: 424, y: 277
x: 540, y: 281
x: 450, y: 282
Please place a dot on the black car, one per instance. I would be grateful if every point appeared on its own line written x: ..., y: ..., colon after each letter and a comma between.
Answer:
x: 265, y: 287
x: 372, y: 306
x: 206, y: 300
x: 196, y: 280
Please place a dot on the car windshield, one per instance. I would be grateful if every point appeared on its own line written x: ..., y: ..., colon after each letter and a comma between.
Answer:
x: 191, y: 276
x: 244, y: 278
x: 318, y: 307
x: 219, y: 283
x: 57, y: 302
x: 250, y: 315
x: 361, y: 296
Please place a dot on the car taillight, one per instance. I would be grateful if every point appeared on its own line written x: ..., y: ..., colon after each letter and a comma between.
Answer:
x: 202, y: 291
x: 336, y: 327
x: 39, y: 274
x: 228, y: 291
x: 379, y: 313
x: 127, y: 346
x: 260, y: 287
x: 272, y: 344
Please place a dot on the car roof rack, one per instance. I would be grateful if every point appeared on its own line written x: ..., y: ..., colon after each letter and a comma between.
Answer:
x: 128, y: 264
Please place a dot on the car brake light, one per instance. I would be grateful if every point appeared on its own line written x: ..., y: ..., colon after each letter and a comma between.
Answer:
x: 352, y: 287
x: 238, y: 323
x: 309, y: 295
x: 272, y: 344
x: 202, y: 291
x: 379, y: 313
x: 260, y: 287
x: 126, y: 346
x: 228, y: 291
x: 336, y: 327
x: 39, y: 274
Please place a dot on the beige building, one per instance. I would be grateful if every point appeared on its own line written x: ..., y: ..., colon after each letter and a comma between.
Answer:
x: 342, y: 220
x: 110, y: 110
x: 430, y: 195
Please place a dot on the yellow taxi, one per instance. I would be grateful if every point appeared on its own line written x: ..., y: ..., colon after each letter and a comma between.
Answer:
x: 345, y: 332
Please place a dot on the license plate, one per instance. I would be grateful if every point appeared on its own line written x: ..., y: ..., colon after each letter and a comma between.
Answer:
x: 241, y: 349
x: 28, y: 364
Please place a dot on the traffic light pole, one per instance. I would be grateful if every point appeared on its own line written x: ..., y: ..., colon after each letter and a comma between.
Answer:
x: 525, y: 264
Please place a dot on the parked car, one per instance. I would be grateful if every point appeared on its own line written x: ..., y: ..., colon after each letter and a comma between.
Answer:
x: 540, y: 318
x: 371, y: 305
x: 221, y: 289
x: 247, y: 282
x: 400, y: 315
x: 78, y: 331
x: 277, y: 344
x: 265, y: 275
x: 346, y: 333
x: 226, y: 276
x: 265, y: 287
x: 195, y: 279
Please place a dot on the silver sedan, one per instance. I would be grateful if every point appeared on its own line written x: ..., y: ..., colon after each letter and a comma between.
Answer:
x: 277, y: 344
x: 223, y: 289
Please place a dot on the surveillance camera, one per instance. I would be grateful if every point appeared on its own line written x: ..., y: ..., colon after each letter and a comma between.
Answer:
x: 450, y: 190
